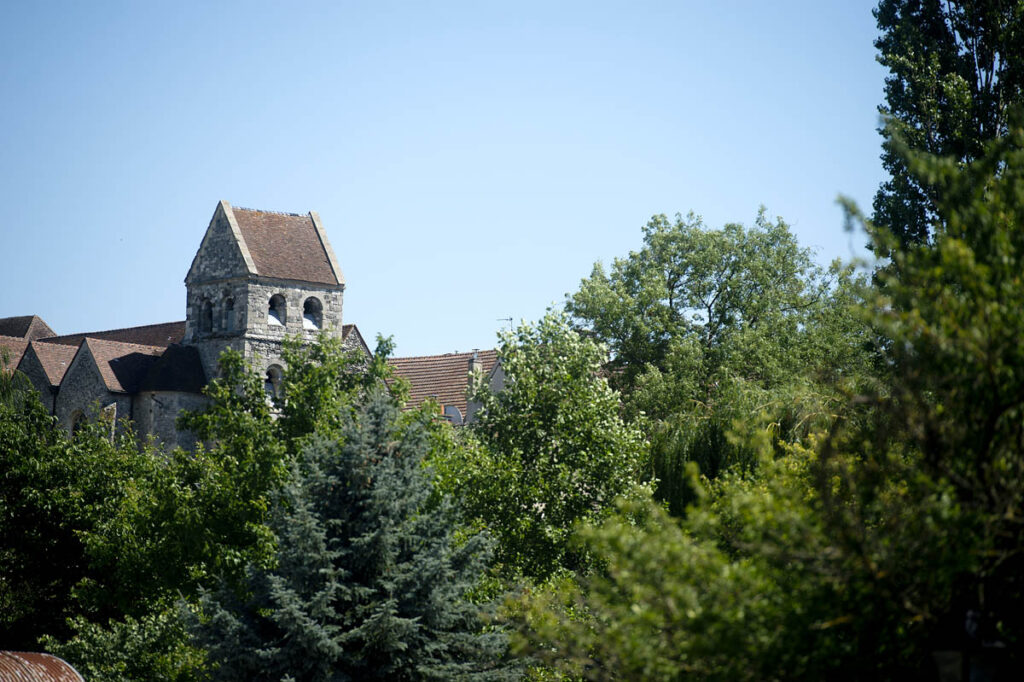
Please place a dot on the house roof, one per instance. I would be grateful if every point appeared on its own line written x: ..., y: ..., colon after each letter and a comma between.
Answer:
x: 178, y: 369
x: 122, y: 365
x: 55, y: 359
x: 444, y: 377
x: 287, y: 246
x: 15, y: 347
x: 35, y: 667
x: 162, y: 334
x: 29, y: 327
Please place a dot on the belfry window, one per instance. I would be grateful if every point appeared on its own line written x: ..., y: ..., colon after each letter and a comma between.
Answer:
x: 205, y: 316
x: 272, y: 383
x: 276, y: 313
x: 312, y: 314
x: 229, y: 314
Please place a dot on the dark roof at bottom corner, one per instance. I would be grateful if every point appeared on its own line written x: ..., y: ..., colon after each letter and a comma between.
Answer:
x: 29, y: 666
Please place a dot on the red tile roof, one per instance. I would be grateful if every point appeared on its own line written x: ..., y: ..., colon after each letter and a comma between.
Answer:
x: 285, y: 245
x: 163, y: 334
x: 29, y: 327
x: 15, y: 347
x: 26, y: 666
x: 123, y: 365
x: 55, y: 359
x: 445, y: 377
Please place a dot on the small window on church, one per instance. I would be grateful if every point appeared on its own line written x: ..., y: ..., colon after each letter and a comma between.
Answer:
x: 276, y: 312
x: 78, y: 421
x: 229, y: 314
x: 205, y: 317
x: 272, y: 383
x: 312, y: 314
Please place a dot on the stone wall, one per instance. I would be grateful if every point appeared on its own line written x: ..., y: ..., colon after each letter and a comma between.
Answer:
x: 156, y: 413
x: 83, y: 390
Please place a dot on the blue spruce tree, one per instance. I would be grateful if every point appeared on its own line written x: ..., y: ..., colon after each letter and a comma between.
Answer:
x: 370, y: 583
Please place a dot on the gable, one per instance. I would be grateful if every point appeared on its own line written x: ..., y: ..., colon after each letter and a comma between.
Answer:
x: 30, y: 327
x: 222, y: 253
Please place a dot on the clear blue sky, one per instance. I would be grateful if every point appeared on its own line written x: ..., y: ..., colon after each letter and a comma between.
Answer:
x: 470, y: 161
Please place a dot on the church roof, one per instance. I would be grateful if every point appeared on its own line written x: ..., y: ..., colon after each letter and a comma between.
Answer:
x: 443, y: 377
x: 55, y: 359
x: 163, y: 334
x: 15, y: 348
x: 287, y: 246
x: 29, y: 327
x: 178, y: 369
x: 122, y: 365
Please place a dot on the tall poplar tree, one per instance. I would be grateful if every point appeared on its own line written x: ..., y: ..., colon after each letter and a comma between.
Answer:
x: 955, y: 69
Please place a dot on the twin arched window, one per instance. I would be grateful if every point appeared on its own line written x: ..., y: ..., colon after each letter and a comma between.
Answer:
x: 312, y: 312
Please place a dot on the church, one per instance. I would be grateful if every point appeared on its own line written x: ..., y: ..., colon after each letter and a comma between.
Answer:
x: 258, y: 277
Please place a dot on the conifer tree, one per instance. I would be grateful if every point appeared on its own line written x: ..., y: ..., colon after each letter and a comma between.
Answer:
x: 370, y: 582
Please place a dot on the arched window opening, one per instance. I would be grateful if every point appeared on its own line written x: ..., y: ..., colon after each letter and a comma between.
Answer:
x: 78, y: 421
x: 229, y: 314
x: 312, y: 314
x: 277, y: 311
x: 272, y: 383
x: 205, y: 316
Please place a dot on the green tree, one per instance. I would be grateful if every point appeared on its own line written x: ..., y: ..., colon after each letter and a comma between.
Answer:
x: 192, y: 518
x: 712, y: 327
x: 955, y: 69
x: 369, y: 581
x: 877, y: 543
x: 550, y: 449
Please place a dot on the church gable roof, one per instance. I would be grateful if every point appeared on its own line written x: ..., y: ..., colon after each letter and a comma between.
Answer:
x: 54, y: 358
x: 29, y: 327
x: 15, y: 347
x: 162, y: 334
x: 122, y: 365
x: 178, y: 369
x: 288, y: 246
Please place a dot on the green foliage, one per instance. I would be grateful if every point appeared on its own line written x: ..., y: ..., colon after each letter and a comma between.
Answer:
x: 862, y: 552
x: 153, y: 648
x: 54, y: 491
x: 956, y: 68
x: 550, y: 449
x: 711, y: 328
x: 369, y: 582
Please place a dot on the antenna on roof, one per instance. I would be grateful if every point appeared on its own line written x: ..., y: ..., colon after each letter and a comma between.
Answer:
x: 506, y: 319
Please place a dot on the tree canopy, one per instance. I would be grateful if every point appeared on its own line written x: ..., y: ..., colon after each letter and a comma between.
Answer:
x: 956, y: 68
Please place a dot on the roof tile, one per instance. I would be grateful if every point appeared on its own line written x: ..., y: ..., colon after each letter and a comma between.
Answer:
x: 443, y: 377
x: 285, y: 245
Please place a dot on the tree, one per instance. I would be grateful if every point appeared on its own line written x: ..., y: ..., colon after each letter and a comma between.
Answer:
x: 880, y: 541
x: 708, y: 328
x: 956, y: 68
x: 369, y: 582
x: 550, y: 449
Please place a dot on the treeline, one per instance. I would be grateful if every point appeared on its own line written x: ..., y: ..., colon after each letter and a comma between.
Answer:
x: 721, y: 461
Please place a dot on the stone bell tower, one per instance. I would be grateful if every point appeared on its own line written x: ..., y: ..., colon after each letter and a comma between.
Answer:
x: 260, y: 276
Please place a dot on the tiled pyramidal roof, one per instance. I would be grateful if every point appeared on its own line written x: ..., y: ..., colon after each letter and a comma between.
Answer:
x: 29, y: 327
x: 443, y: 377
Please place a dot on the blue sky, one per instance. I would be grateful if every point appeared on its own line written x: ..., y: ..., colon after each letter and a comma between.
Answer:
x: 470, y: 161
